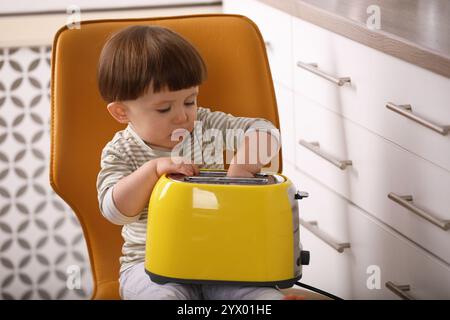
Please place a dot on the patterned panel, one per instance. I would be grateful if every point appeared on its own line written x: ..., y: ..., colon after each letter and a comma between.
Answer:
x: 41, y: 242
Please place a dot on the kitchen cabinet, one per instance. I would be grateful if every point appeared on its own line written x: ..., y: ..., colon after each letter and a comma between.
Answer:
x: 365, y: 120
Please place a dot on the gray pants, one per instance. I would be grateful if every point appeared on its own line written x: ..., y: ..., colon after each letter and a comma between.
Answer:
x: 135, y: 284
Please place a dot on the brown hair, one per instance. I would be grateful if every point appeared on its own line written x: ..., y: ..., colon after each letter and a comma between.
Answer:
x: 138, y: 56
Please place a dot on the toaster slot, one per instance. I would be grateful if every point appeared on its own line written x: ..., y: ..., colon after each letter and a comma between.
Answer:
x: 226, y: 180
x: 222, y: 173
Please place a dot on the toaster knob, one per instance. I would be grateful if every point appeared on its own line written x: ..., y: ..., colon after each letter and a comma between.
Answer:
x: 300, y: 195
x: 304, y: 258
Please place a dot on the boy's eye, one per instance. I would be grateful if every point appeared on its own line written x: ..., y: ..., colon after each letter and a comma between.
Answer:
x: 168, y: 109
x: 163, y: 110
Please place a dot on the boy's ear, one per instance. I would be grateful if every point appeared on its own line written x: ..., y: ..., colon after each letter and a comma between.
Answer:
x: 118, y: 111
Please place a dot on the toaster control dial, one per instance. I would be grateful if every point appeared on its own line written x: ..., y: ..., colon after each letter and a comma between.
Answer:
x: 304, y: 258
x: 300, y: 195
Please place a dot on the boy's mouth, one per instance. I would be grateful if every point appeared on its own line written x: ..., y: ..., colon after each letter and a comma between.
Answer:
x: 180, y: 131
x: 179, y: 134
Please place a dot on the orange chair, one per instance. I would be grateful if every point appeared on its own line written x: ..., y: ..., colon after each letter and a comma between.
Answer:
x: 239, y: 82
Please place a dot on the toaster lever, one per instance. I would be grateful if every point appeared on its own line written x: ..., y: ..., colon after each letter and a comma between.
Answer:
x: 304, y: 257
x: 300, y: 195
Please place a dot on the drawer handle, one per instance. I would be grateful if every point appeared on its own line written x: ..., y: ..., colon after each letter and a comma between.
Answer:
x: 314, y: 68
x: 400, y: 290
x: 312, y: 227
x: 406, y: 202
x: 406, y: 110
x: 315, y: 147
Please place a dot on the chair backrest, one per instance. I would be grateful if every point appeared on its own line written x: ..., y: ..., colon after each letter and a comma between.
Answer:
x: 239, y: 82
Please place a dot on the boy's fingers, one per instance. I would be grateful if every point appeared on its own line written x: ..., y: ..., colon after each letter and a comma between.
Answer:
x: 177, y: 168
x: 188, y: 170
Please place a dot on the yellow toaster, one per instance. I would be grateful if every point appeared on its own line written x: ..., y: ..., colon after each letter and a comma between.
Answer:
x: 211, y: 228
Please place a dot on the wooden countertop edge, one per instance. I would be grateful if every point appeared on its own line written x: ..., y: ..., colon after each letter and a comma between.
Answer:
x: 376, y: 39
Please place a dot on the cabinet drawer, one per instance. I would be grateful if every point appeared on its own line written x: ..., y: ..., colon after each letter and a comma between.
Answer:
x: 377, y: 254
x: 276, y: 28
x: 285, y: 102
x: 376, y: 80
x: 328, y: 212
x: 378, y: 169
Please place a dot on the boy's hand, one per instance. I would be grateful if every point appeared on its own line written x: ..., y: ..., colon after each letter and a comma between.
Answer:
x: 175, y: 165
x: 245, y: 171
x: 243, y: 164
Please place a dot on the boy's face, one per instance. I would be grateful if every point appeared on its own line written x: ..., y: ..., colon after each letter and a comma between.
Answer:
x: 156, y: 116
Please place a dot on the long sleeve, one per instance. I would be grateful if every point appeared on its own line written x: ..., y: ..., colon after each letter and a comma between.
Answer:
x: 233, y: 128
x: 110, y: 211
x: 114, y: 166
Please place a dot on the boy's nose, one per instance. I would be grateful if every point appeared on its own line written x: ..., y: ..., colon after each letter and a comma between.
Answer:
x: 181, y: 116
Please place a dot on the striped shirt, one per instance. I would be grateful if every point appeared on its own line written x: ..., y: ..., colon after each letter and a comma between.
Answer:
x: 126, y: 152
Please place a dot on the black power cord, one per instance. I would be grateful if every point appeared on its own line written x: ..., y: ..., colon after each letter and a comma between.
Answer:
x: 329, y: 295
